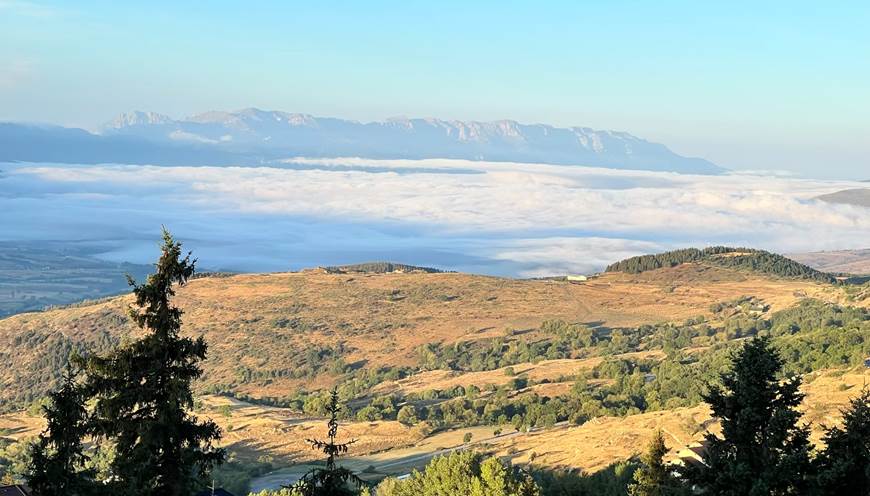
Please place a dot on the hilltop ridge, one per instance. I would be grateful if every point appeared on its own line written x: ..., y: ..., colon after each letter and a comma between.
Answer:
x: 750, y: 259
x: 271, y: 334
x: 841, y: 261
x: 423, y: 359
x: 379, y: 268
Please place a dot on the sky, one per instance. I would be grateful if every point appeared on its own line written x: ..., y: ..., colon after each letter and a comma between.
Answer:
x: 781, y: 86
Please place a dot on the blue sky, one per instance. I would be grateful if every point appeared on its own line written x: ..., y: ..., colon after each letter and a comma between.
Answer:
x: 749, y: 85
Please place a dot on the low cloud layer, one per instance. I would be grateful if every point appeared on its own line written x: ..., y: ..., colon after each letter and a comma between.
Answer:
x: 516, y: 219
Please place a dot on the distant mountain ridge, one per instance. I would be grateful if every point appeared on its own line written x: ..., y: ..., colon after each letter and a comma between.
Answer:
x: 842, y: 261
x: 256, y: 137
x: 44, y: 143
x: 275, y: 133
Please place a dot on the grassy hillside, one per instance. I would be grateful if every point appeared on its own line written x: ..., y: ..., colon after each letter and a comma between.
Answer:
x: 422, y: 358
x: 273, y: 335
x: 379, y: 268
x: 254, y: 432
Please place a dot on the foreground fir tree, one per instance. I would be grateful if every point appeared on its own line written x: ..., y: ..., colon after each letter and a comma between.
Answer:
x: 57, y: 458
x: 763, y: 450
x: 331, y: 480
x: 653, y: 478
x: 143, y: 393
x: 844, y: 465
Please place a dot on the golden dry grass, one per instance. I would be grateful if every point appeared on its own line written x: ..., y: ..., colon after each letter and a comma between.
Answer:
x: 546, y: 369
x: 17, y: 426
x: 602, y: 441
x: 252, y: 431
x: 380, y: 319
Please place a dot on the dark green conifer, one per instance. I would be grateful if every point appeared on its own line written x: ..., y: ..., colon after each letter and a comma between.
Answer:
x: 654, y: 478
x: 331, y: 480
x: 844, y: 465
x: 763, y: 450
x: 144, y: 396
x: 57, y: 458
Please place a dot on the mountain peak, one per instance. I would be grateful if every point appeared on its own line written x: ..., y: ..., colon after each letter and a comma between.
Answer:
x: 137, y: 118
x: 282, y: 134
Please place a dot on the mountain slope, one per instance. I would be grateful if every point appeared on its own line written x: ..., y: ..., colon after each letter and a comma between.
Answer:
x: 37, y: 143
x: 840, y: 261
x: 541, y: 370
x: 271, y: 335
x: 585, y: 405
x: 378, y: 268
x: 287, y: 134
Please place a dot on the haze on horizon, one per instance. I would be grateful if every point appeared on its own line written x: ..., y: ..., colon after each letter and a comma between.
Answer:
x: 780, y: 86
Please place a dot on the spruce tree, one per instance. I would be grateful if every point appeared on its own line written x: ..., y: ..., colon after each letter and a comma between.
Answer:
x: 844, y: 464
x: 57, y: 458
x: 144, y: 396
x: 331, y: 480
x: 653, y: 478
x: 763, y: 450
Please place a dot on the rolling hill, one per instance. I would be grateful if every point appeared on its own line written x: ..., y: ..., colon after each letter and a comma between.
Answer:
x: 271, y: 334
x: 378, y: 268
x: 843, y: 261
x: 567, y: 374
x: 756, y: 261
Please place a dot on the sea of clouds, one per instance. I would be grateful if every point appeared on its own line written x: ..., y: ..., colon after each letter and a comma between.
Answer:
x: 497, y: 218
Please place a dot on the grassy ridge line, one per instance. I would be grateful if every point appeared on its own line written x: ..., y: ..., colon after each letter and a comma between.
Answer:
x: 274, y: 334
x: 380, y: 268
x: 727, y: 257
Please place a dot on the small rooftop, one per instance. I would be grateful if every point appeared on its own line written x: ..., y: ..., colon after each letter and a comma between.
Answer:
x: 14, y: 490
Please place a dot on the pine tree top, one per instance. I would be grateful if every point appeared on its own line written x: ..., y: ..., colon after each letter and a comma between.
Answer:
x: 332, y: 480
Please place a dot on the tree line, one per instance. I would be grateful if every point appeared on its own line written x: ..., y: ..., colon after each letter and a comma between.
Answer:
x: 764, y: 448
x: 723, y: 256
x: 379, y: 268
